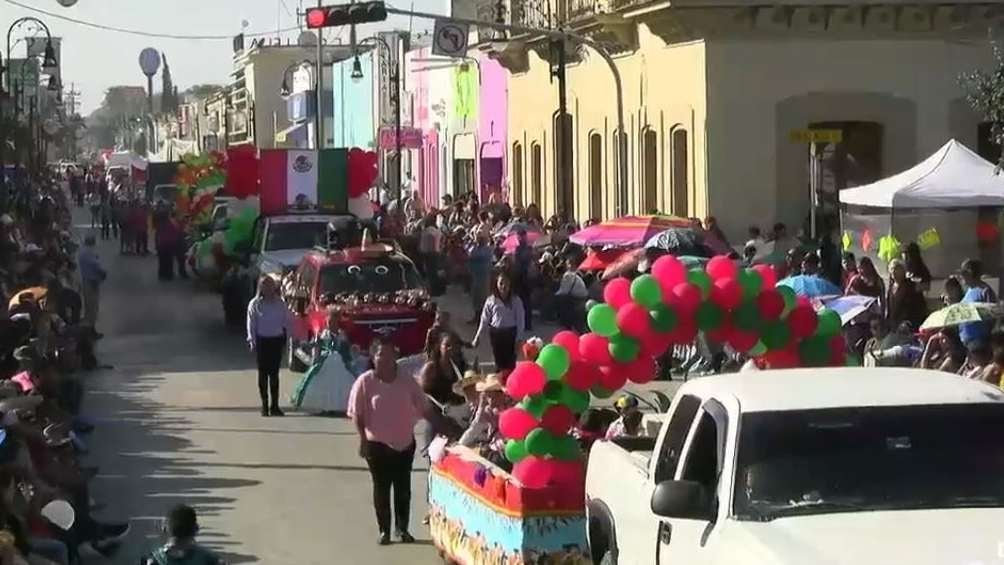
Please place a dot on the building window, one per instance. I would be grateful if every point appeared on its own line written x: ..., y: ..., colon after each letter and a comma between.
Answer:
x: 536, y: 174
x: 855, y: 161
x: 681, y: 174
x: 517, y: 174
x: 595, y: 176
x: 650, y: 171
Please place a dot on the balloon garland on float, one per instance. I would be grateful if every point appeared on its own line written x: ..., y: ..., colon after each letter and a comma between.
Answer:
x: 635, y: 324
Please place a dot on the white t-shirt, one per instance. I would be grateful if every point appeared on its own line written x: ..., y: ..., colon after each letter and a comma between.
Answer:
x: 572, y: 285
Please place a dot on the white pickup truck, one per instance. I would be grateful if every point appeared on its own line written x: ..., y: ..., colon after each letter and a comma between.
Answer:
x: 823, y: 467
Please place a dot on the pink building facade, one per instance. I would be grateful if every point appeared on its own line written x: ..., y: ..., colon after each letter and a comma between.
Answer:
x: 493, y: 127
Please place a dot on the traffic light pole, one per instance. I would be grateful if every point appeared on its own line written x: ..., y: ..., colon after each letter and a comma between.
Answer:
x: 561, y: 35
x: 319, y: 84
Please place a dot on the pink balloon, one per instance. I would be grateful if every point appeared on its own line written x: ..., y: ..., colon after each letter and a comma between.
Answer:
x: 617, y: 293
x: 727, y: 293
x: 558, y: 420
x: 515, y: 423
x: 802, y: 300
x: 633, y: 320
x: 612, y: 377
x: 721, y: 267
x: 770, y: 303
x: 686, y: 298
x: 641, y: 370
x: 570, y: 341
x: 743, y: 341
x: 595, y: 349
x: 581, y: 376
x: 767, y: 274
x: 526, y: 379
x: 802, y: 320
x: 534, y: 472
x: 669, y: 272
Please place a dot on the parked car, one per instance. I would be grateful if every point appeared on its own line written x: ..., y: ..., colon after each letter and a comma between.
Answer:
x: 837, y: 466
x: 375, y: 290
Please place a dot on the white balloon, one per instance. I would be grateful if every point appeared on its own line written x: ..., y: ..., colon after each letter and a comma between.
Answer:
x: 361, y: 207
x: 60, y: 514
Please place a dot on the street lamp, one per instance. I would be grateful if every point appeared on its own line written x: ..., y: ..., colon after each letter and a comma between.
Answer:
x: 54, y: 85
x: 35, y: 26
x: 357, y: 70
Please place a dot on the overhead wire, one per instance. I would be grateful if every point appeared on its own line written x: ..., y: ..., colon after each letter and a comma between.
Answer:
x: 140, y: 32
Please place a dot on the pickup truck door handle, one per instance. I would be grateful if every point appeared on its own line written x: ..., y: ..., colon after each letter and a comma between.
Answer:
x: 665, y: 532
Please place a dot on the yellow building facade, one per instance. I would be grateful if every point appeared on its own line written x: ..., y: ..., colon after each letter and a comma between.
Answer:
x: 716, y: 93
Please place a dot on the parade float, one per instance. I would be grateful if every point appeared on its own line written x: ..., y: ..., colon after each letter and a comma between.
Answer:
x: 481, y: 514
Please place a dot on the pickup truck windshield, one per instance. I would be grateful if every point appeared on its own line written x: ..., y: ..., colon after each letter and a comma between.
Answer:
x: 296, y: 235
x: 376, y: 276
x: 796, y: 463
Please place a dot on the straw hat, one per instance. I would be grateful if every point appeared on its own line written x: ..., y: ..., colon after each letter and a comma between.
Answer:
x: 491, y: 384
x: 471, y: 378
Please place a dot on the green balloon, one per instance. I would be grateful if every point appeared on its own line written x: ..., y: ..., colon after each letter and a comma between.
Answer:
x: 539, y: 442
x: 576, y: 401
x: 645, y: 290
x: 776, y: 335
x: 853, y: 360
x: 814, y: 350
x: 700, y: 279
x: 708, y: 316
x: 602, y: 319
x: 788, y: 294
x: 829, y: 323
x: 566, y: 448
x: 554, y: 391
x: 663, y: 318
x: 555, y: 360
x: 752, y: 283
x: 515, y: 450
x: 757, y: 350
x: 747, y: 317
x: 623, y: 348
x: 536, y: 405
x: 600, y: 392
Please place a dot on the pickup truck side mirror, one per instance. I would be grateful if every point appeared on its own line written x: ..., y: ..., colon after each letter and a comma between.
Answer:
x: 688, y: 500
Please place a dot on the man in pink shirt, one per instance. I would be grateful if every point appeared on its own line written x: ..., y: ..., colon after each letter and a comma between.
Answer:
x: 385, y: 408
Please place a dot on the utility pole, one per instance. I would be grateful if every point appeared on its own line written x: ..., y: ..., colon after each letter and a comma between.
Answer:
x: 319, y: 83
x: 563, y: 145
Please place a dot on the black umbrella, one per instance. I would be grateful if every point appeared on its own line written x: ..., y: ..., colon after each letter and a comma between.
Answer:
x: 680, y: 241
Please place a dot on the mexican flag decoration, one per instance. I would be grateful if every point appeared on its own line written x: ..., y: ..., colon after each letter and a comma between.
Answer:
x: 303, y: 179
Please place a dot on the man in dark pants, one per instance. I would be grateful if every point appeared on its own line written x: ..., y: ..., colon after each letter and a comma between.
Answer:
x: 267, y: 325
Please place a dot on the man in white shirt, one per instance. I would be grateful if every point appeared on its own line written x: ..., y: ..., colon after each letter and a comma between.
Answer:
x: 570, y: 298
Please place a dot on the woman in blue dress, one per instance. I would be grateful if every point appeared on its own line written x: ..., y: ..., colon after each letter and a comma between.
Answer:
x: 325, y: 386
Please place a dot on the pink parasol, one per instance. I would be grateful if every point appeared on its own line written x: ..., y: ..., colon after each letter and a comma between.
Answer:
x: 599, y: 260
x: 534, y: 238
x: 629, y: 231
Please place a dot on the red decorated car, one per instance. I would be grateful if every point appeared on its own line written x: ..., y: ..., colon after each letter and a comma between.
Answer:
x: 374, y: 289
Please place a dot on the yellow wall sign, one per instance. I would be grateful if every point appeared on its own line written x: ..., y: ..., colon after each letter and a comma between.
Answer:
x: 816, y: 136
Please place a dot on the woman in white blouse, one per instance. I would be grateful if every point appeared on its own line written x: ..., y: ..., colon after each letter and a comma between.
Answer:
x: 502, y: 318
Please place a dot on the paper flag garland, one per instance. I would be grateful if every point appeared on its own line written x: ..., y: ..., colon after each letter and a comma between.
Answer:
x: 889, y: 248
x: 847, y: 241
x: 928, y: 238
x: 866, y: 240
x: 986, y: 232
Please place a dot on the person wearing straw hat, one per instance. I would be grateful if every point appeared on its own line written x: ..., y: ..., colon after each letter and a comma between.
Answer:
x: 483, y: 429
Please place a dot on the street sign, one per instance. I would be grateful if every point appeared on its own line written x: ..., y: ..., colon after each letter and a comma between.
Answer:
x: 450, y: 39
x: 816, y: 136
x: 149, y: 61
x: 411, y: 138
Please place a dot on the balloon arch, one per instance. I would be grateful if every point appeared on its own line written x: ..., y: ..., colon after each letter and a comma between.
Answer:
x: 639, y: 321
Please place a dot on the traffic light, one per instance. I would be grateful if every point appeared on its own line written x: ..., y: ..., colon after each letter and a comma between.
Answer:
x: 346, y: 14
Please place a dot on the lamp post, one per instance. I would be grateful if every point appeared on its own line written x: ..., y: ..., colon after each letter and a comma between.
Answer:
x: 395, y: 99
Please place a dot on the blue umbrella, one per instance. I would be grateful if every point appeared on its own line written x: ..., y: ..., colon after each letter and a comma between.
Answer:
x: 811, y: 286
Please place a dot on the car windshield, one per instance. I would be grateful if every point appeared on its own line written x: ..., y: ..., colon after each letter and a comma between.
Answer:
x: 874, y: 458
x: 296, y: 235
x: 385, y: 275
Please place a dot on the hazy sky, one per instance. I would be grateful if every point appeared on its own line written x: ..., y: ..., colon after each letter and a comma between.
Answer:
x: 95, y: 59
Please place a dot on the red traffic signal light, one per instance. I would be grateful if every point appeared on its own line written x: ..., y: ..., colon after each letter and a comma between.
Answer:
x: 346, y: 14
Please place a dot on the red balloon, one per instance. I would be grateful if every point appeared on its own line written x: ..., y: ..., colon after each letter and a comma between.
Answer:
x: 633, y: 320
x: 569, y: 474
x: 558, y: 419
x: 515, y: 423
x: 528, y: 378
x: 595, y: 349
x: 654, y: 344
x: 767, y: 274
x: 770, y: 303
x: 686, y: 298
x: 581, y: 376
x: 802, y: 300
x: 802, y: 320
x: 641, y: 370
x: 743, y: 341
x: 570, y: 341
x: 727, y: 293
x: 838, y: 351
x: 534, y: 472
x: 669, y: 272
x: 723, y: 332
x: 612, y: 377
x: 721, y: 267
x: 617, y: 293
x: 684, y: 332
x: 786, y: 358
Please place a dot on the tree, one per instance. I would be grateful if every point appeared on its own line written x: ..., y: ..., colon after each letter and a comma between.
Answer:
x: 120, y: 102
x: 985, y: 93
x: 200, y: 91
x: 168, y: 103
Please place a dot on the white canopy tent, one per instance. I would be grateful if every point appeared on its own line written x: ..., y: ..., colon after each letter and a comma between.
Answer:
x: 953, y: 177
x: 948, y: 194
